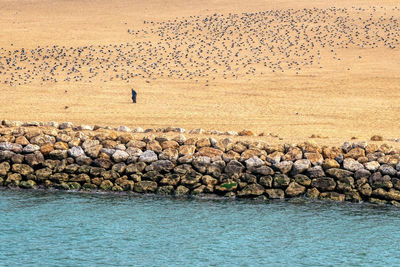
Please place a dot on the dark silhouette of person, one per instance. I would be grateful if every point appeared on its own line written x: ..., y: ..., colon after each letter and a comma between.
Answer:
x: 134, y: 96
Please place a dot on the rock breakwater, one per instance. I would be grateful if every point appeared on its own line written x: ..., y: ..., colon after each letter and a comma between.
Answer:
x: 61, y: 156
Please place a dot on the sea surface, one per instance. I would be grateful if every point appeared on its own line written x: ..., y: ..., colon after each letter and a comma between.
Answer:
x: 80, y: 229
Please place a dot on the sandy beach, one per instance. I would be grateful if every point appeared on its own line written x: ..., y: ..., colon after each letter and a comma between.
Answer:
x: 337, y: 84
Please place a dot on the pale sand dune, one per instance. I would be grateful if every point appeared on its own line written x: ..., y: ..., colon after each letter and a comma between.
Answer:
x: 356, y: 96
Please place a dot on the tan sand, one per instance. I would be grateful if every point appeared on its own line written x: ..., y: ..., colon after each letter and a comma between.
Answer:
x: 354, y: 97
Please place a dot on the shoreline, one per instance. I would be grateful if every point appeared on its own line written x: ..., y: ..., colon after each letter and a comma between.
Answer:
x: 52, y: 156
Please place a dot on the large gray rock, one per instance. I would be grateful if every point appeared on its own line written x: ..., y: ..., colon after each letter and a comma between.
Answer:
x: 134, y: 151
x: 120, y: 156
x: 284, y: 166
x: 300, y: 166
x: 76, y: 151
x: 6, y: 146
x: 254, y: 162
x: 372, y: 165
x: 123, y: 129
x: 148, y: 156
x: 386, y: 169
x: 315, y: 172
x: 351, y: 164
x: 201, y: 163
x: 234, y: 167
x: 30, y: 148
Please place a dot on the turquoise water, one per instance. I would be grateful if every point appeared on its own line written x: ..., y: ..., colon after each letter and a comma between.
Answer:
x: 72, y: 229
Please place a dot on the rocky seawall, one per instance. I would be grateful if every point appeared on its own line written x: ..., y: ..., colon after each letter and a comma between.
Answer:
x: 65, y: 157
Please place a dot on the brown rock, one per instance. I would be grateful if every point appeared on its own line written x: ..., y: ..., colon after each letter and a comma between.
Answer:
x: 209, y: 152
x: 324, y: 184
x: 169, y: 144
x: 46, y: 148
x: 203, y: 142
x: 371, y: 148
x: 377, y: 138
x: 294, y: 189
x: 293, y: 154
x: 230, y: 155
x: 312, y: 193
x: 332, y: 196
x: 315, y: 158
x: 187, y: 150
x: 330, y: 163
x: 249, y: 153
x: 239, y: 147
x: 246, y: 133
x: 310, y: 147
x: 355, y: 153
x: 251, y: 190
x: 61, y: 145
x: 331, y: 152
x: 22, y: 140
x: 275, y: 193
x: 154, y: 145
x: 224, y: 144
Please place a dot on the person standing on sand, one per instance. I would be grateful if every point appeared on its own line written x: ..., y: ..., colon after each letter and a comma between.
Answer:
x: 134, y: 96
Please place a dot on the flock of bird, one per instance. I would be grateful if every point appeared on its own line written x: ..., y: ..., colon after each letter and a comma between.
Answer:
x: 197, y: 48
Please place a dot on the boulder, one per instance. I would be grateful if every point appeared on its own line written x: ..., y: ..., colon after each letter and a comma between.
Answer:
x: 330, y: 163
x: 284, y: 166
x: 254, y: 162
x: 120, y: 156
x: 58, y: 154
x: 46, y: 148
x: 302, y: 180
x: 323, y: 184
x: 355, y: 153
x: 251, y: 190
x: 145, y: 187
x: 106, y: 185
x: 181, y: 191
x: 275, y: 193
x: 372, y: 166
x: 294, y: 189
x: 338, y: 173
x: 335, y: 196
x: 351, y: 164
x: 148, y: 156
x: 293, y: 154
x: 201, y: 163
x: 162, y: 165
x: 30, y: 184
x: 76, y: 151
x: 22, y: 169
x: 300, y: 166
x: 31, y: 148
x: 266, y: 181
x: 314, y: 157
x: 281, y: 181
x: 234, y: 167
x: 274, y: 157
x: 386, y: 169
x: 4, y: 168
x: 312, y: 193
x: 315, y: 172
